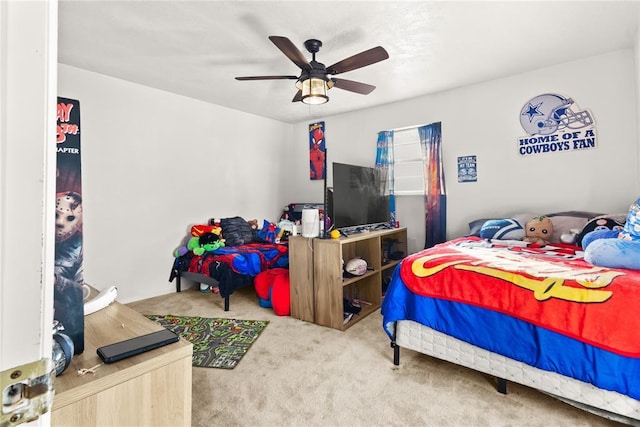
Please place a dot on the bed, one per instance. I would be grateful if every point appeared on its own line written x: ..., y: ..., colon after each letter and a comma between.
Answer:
x: 538, y: 315
x: 246, y: 253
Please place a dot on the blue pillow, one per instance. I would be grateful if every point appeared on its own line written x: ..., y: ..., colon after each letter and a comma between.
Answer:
x: 502, y: 229
x: 268, y: 233
x: 476, y: 225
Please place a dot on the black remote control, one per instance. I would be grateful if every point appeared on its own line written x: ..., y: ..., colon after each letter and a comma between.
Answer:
x: 127, y: 348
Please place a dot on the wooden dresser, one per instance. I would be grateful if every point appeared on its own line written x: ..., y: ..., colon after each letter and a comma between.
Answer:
x: 151, y: 389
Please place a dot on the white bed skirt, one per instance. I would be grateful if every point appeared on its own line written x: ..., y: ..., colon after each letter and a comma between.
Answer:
x: 609, y: 404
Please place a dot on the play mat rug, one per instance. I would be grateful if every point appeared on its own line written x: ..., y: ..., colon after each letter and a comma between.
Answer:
x: 217, y: 343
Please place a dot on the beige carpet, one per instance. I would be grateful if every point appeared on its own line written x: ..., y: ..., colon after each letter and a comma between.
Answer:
x: 300, y: 374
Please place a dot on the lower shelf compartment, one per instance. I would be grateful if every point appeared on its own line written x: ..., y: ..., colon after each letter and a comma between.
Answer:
x: 364, y: 312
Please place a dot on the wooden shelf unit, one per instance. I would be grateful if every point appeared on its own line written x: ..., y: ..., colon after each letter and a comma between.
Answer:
x: 317, y: 283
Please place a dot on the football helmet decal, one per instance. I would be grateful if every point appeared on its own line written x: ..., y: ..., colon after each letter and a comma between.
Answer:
x: 549, y: 113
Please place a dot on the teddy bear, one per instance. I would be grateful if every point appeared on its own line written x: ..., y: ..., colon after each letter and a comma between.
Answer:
x: 614, y: 248
x: 538, y: 230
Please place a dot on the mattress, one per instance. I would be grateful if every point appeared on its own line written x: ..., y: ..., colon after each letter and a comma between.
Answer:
x: 609, y: 404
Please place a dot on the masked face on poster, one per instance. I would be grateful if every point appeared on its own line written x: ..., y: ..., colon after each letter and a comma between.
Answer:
x: 68, y: 215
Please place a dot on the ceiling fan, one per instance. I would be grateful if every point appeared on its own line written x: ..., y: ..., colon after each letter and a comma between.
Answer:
x: 316, y: 79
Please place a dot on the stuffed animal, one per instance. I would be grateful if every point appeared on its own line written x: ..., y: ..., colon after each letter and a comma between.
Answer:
x: 182, y: 250
x: 613, y: 248
x: 538, y: 230
x: 205, y: 243
x: 253, y: 223
x: 204, y: 238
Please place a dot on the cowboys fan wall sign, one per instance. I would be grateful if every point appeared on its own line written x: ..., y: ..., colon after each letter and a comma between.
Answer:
x: 554, y: 124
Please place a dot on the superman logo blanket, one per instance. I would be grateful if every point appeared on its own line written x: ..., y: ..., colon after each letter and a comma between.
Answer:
x: 549, y: 286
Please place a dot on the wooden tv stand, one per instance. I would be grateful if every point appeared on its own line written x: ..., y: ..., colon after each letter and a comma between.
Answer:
x: 318, y: 287
x: 151, y: 389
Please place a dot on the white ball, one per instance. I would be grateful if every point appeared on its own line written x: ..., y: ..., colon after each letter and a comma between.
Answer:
x: 356, y: 266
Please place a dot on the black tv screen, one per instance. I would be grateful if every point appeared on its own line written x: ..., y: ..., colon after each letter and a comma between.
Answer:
x: 359, y: 197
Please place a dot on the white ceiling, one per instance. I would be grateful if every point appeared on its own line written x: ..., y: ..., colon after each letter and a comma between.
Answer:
x: 196, y: 48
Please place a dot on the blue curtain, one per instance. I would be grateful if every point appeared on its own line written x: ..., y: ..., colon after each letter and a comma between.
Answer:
x: 435, y: 191
x: 384, y: 161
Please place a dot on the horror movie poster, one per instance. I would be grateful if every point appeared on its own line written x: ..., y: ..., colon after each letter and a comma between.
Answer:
x: 68, y: 300
x: 317, y: 151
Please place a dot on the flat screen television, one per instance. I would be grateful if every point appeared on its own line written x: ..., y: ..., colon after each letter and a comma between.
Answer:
x: 358, y: 198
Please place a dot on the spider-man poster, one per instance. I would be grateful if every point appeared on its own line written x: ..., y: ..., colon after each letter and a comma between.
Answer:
x: 68, y: 296
x: 317, y: 151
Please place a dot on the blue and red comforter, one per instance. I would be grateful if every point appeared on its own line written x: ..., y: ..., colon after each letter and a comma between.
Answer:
x: 249, y: 259
x: 544, y: 306
x: 234, y: 266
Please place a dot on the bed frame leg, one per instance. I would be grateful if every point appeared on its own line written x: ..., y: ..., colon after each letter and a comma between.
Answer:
x: 395, y: 346
x: 502, y: 385
x: 396, y: 353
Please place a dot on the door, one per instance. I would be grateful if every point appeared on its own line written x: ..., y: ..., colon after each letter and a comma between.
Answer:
x: 28, y: 86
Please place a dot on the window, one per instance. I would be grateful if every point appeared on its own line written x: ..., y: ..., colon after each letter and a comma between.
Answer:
x: 408, y: 166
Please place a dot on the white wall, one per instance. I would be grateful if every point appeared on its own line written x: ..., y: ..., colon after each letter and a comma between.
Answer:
x: 483, y: 120
x: 153, y: 164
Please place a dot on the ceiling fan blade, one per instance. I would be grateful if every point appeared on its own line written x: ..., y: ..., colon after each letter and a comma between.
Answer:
x: 297, y: 97
x: 352, y: 86
x: 290, y: 50
x: 268, y: 78
x: 359, y: 60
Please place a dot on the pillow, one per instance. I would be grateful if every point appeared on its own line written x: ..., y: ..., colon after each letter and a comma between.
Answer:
x: 476, y: 225
x: 602, y: 222
x: 236, y: 231
x: 524, y: 218
x: 564, y: 225
x: 502, y: 229
x: 268, y: 232
x: 564, y: 222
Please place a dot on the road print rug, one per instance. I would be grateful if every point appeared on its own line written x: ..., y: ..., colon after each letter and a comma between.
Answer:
x: 217, y: 343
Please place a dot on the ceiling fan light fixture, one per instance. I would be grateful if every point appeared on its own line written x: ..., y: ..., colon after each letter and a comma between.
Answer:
x: 314, y: 91
x: 315, y: 78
